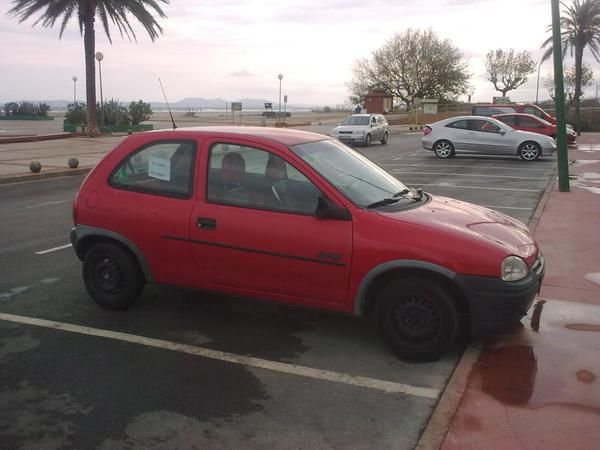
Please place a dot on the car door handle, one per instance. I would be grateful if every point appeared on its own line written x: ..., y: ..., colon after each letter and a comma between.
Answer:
x: 206, y: 223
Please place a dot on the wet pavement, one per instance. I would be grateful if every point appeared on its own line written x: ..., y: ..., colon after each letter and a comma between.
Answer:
x: 538, y: 387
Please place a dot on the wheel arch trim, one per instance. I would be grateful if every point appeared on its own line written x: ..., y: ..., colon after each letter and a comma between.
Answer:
x: 361, y: 299
x: 81, y: 234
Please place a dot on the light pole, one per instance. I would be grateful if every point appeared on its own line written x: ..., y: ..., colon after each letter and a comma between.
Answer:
x: 100, y: 57
x: 280, y: 76
x: 74, y: 89
x: 537, y: 88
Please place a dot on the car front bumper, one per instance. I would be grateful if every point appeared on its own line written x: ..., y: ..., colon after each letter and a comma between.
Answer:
x: 351, y: 139
x: 496, y: 305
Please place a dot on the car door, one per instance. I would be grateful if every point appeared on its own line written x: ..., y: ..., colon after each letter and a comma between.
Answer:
x: 254, y: 230
x: 458, y: 133
x: 488, y: 137
x: 531, y: 124
x: 151, y: 197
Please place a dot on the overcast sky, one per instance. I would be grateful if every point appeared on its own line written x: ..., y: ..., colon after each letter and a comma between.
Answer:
x: 235, y: 49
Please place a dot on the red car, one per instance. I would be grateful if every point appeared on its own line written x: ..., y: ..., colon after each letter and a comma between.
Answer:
x: 299, y: 218
x: 529, y: 122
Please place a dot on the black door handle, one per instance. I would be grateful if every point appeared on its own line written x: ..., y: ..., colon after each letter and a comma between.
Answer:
x: 206, y: 223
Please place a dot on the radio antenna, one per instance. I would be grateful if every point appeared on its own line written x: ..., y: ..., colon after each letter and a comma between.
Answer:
x: 167, y: 101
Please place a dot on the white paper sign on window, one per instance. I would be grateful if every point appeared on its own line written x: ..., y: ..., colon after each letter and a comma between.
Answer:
x: 159, y: 168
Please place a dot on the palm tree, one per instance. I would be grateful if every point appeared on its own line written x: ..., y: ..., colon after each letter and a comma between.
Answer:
x: 580, y: 28
x: 86, y: 11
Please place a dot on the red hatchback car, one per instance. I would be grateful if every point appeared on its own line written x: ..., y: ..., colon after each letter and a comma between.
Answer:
x: 300, y: 218
x: 529, y: 122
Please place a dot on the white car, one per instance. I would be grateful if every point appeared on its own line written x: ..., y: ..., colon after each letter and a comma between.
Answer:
x: 362, y: 129
x: 485, y: 135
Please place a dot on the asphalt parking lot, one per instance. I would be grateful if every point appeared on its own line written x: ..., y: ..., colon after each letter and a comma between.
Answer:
x: 184, y: 369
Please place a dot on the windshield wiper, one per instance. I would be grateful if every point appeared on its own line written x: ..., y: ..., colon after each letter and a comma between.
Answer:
x: 383, y: 202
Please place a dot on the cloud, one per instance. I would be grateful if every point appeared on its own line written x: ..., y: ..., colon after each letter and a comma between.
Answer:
x: 242, y: 73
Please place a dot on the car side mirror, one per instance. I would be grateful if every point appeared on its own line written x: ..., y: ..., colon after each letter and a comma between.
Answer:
x: 326, y: 209
x: 502, y: 132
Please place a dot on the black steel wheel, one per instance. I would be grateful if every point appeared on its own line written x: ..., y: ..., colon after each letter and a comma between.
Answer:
x: 385, y: 138
x: 418, y: 318
x: 112, y: 276
x: 367, y: 140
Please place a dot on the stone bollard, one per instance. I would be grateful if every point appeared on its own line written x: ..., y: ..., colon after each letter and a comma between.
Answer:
x: 35, y: 166
x: 73, y: 163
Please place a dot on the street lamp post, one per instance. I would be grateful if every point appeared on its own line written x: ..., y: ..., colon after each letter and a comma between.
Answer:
x: 280, y: 76
x: 100, y: 57
x: 537, y: 88
x: 74, y: 89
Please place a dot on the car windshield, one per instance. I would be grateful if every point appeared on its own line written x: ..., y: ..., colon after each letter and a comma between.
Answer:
x: 355, y: 176
x: 356, y: 120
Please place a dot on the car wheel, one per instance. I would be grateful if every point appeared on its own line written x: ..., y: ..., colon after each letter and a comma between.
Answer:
x: 367, y: 140
x: 443, y: 149
x: 385, y: 138
x: 112, y: 276
x: 530, y: 151
x: 418, y: 319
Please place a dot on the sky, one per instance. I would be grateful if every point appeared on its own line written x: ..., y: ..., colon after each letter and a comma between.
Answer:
x: 235, y: 49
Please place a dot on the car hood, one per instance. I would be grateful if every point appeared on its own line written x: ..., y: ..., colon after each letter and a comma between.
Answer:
x: 351, y: 128
x: 472, y: 222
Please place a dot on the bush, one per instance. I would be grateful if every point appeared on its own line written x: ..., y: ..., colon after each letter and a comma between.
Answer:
x: 139, y: 112
x: 26, y: 108
x: 115, y: 113
x: 76, y: 113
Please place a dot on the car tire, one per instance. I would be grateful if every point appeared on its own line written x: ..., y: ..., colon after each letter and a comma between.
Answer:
x: 385, y: 138
x: 443, y: 149
x: 367, y: 140
x: 112, y: 276
x: 530, y: 151
x: 418, y: 319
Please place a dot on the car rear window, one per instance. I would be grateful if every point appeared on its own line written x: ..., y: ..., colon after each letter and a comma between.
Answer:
x: 161, y: 168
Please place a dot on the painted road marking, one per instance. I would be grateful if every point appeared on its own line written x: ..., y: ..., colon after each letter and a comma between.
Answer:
x: 463, y: 165
x: 54, y: 249
x: 466, y: 175
x: 56, y: 202
x: 389, y: 387
x: 477, y: 187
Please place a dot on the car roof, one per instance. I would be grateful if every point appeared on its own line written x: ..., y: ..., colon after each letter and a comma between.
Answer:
x: 517, y: 114
x: 284, y: 136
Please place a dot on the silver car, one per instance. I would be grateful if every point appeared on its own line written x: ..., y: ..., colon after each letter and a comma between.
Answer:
x: 362, y: 129
x: 478, y: 134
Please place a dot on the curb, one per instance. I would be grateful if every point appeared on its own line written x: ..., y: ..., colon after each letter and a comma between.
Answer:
x: 45, y: 175
x: 438, y: 425
x: 34, y: 138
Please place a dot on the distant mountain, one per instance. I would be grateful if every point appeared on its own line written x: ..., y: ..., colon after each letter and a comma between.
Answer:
x: 195, y: 103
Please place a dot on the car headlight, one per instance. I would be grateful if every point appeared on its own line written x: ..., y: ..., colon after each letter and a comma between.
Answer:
x: 359, y: 132
x: 513, y: 268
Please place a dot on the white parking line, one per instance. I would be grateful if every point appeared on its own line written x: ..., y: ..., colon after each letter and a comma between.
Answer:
x: 462, y: 165
x: 389, y: 387
x: 54, y: 249
x: 467, y: 175
x: 56, y: 202
x: 477, y: 187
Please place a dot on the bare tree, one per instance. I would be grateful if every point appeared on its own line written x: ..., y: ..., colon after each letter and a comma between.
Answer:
x: 509, y: 68
x: 570, y: 82
x: 414, y: 64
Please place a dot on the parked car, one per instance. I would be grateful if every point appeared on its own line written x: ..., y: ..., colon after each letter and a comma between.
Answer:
x: 485, y: 135
x: 491, y: 109
x: 300, y: 218
x: 529, y: 122
x: 362, y: 129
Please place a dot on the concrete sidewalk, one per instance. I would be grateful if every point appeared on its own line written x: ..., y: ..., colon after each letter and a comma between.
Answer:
x: 538, y: 387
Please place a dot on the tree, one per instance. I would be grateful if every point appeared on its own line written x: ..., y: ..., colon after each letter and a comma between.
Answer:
x: 414, y: 64
x: 580, y: 28
x: 587, y: 77
x: 509, y: 68
x: 86, y: 11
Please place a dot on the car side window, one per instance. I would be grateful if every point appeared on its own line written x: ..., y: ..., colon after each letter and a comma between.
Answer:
x: 529, y: 122
x: 511, y: 121
x: 248, y: 177
x: 484, y: 126
x: 461, y: 124
x: 163, y: 168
